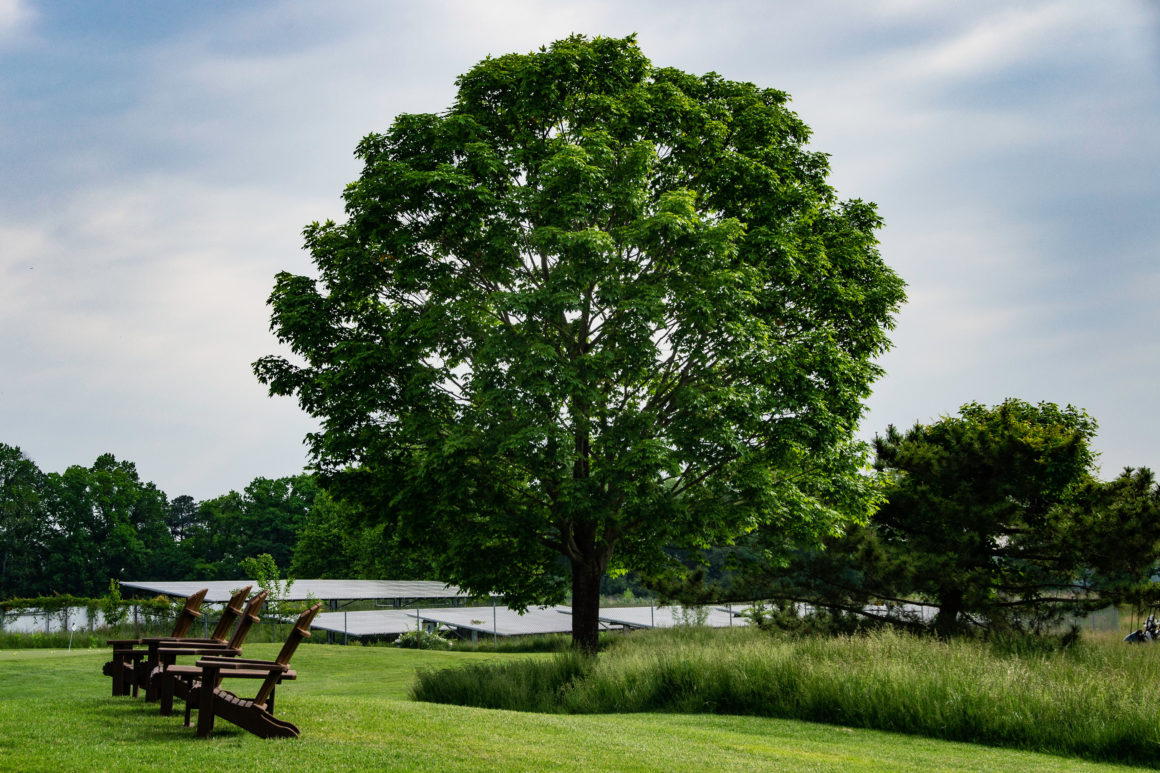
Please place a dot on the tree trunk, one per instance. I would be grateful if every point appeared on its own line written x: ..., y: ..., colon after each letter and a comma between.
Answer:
x: 950, y: 603
x: 586, y: 605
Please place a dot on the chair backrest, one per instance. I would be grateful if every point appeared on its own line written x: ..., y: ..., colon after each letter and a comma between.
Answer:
x: 189, y: 613
x: 248, y: 618
x: 300, y: 631
x: 231, y: 613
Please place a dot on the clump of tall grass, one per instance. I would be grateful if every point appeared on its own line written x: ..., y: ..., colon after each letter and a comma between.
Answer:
x: 545, y: 642
x: 524, y: 685
x: 1097, y: 700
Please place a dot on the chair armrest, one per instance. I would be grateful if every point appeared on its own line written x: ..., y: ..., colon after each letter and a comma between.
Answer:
x: 251, y: 672
x: 226, y: 663
x: 174, y: 651
x: 131, y: 654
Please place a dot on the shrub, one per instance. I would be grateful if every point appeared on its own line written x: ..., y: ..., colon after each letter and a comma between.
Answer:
x: 422, y: 640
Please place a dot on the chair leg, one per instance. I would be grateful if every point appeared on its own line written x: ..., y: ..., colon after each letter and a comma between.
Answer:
x: 118, y: 670
x: 209, y: 678
x: 166, y: 696
x: 189, y: 698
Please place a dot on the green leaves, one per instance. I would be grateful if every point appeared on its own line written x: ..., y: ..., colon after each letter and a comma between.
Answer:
x: 978, y: 502
x: 595, y: 307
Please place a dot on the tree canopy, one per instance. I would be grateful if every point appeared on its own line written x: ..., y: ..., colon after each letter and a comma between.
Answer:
x: 594, y: 309
x: 973, y: 502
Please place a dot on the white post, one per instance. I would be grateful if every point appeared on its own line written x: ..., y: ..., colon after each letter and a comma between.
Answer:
x: 494, y: 627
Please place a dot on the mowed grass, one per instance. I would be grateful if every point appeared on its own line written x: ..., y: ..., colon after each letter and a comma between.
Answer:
x: 56, y: 713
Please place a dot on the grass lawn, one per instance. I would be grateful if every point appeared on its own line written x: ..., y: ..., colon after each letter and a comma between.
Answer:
x: 351, y: 703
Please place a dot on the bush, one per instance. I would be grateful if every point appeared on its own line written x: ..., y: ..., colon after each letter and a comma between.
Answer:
x: 422, y: 640
x: 527, y: 685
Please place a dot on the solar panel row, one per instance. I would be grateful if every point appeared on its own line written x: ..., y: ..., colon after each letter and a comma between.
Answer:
x: 501, y: 621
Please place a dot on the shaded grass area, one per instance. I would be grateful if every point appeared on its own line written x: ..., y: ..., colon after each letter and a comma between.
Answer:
x: 56, y: 714
x: 1096, y: 700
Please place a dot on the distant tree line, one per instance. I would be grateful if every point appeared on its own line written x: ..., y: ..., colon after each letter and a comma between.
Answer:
x: 71, y: 532
x: 994, y: 517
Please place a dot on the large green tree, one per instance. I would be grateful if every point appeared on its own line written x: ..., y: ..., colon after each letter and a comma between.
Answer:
x: 594, y: 309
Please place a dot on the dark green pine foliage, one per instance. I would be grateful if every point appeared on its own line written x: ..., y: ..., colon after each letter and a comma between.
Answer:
x: 976, y: 512
x: 594, y: 309
x: 1115, y: 526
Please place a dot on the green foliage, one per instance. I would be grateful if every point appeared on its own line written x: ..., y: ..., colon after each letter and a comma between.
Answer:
x: 993, y: 516
x: 691, y: 615
x: 973, y: 509
x: 263, y: 570
x: 420, y: 639
x: 23, y: 529
x: 337, y: 540
x: 158, y: 606
x: 265, y: 518
x: 1115, y: 527
x: 71, y: 532
x: 785, y: 618
x: 111, y: 524
x: 594, y: 309
x: 113, y: 608
x: 74, y: 532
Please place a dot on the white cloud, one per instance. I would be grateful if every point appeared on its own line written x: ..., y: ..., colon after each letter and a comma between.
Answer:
x: 133, y: 304
x: 15, y: 15
x: 137, y: 313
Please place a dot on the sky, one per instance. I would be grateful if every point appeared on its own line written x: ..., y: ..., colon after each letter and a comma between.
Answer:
x: 160, y: 160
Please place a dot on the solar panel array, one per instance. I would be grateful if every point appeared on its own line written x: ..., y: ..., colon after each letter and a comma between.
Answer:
x: 323, y: 590
x: 378, y: 622
x: 493, y: 621
x: 501, y: 621
x: 667, y: 617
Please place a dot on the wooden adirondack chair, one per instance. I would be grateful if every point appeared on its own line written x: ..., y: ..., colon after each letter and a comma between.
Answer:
x: 219, y: 638
x: 164, y: 680
x: 126, y: 653
x: 257, y: 714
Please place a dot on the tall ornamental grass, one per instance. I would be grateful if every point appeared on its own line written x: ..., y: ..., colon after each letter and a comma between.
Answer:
x: 1099, y: 700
